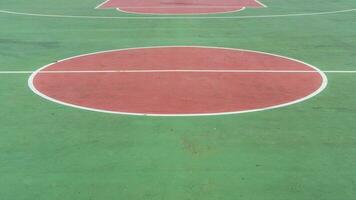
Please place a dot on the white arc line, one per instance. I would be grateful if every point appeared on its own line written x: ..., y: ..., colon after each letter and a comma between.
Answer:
x: 121, y: 9
x: 174, y: 71
x: 180, y: 7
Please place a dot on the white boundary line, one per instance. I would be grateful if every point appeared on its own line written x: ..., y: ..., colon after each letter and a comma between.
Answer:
x: 179, y: 17
x: 101, y: 4
x: 176, y: 71
x: 262, y: 4
x: 321, y: 88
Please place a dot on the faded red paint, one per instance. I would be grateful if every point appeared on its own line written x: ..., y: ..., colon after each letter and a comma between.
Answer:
x: 180, y: 6
x: 177, y: 92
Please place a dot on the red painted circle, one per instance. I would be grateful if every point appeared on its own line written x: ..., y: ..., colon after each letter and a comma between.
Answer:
x: 178, y: 81
x: 180, y: 6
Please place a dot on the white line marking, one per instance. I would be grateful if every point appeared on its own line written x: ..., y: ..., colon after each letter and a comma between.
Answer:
x: 121, y: 9
x: 180, y: 17
x: 175, y: 71
x: 320, y: 89
x: 166, y: 7
x: 98, y: 6
x: 259, y: 2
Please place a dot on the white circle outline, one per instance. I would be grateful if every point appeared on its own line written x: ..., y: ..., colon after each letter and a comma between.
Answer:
x: 321, y: 88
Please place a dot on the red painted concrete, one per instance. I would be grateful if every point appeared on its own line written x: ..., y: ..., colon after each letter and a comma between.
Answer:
x: 180, y: 6
x: 177, y: 92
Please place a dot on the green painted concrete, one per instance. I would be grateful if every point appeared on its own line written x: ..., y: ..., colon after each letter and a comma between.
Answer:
x: 306, y: 151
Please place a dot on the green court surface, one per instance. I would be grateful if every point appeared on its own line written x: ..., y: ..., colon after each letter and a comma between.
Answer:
x: 304, y: 151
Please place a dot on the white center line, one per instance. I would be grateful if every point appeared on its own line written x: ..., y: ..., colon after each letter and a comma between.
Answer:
x: 176, y: 71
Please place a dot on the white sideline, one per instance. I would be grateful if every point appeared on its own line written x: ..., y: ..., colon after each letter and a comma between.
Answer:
x: 176, y: 71
x: 179, y: 17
